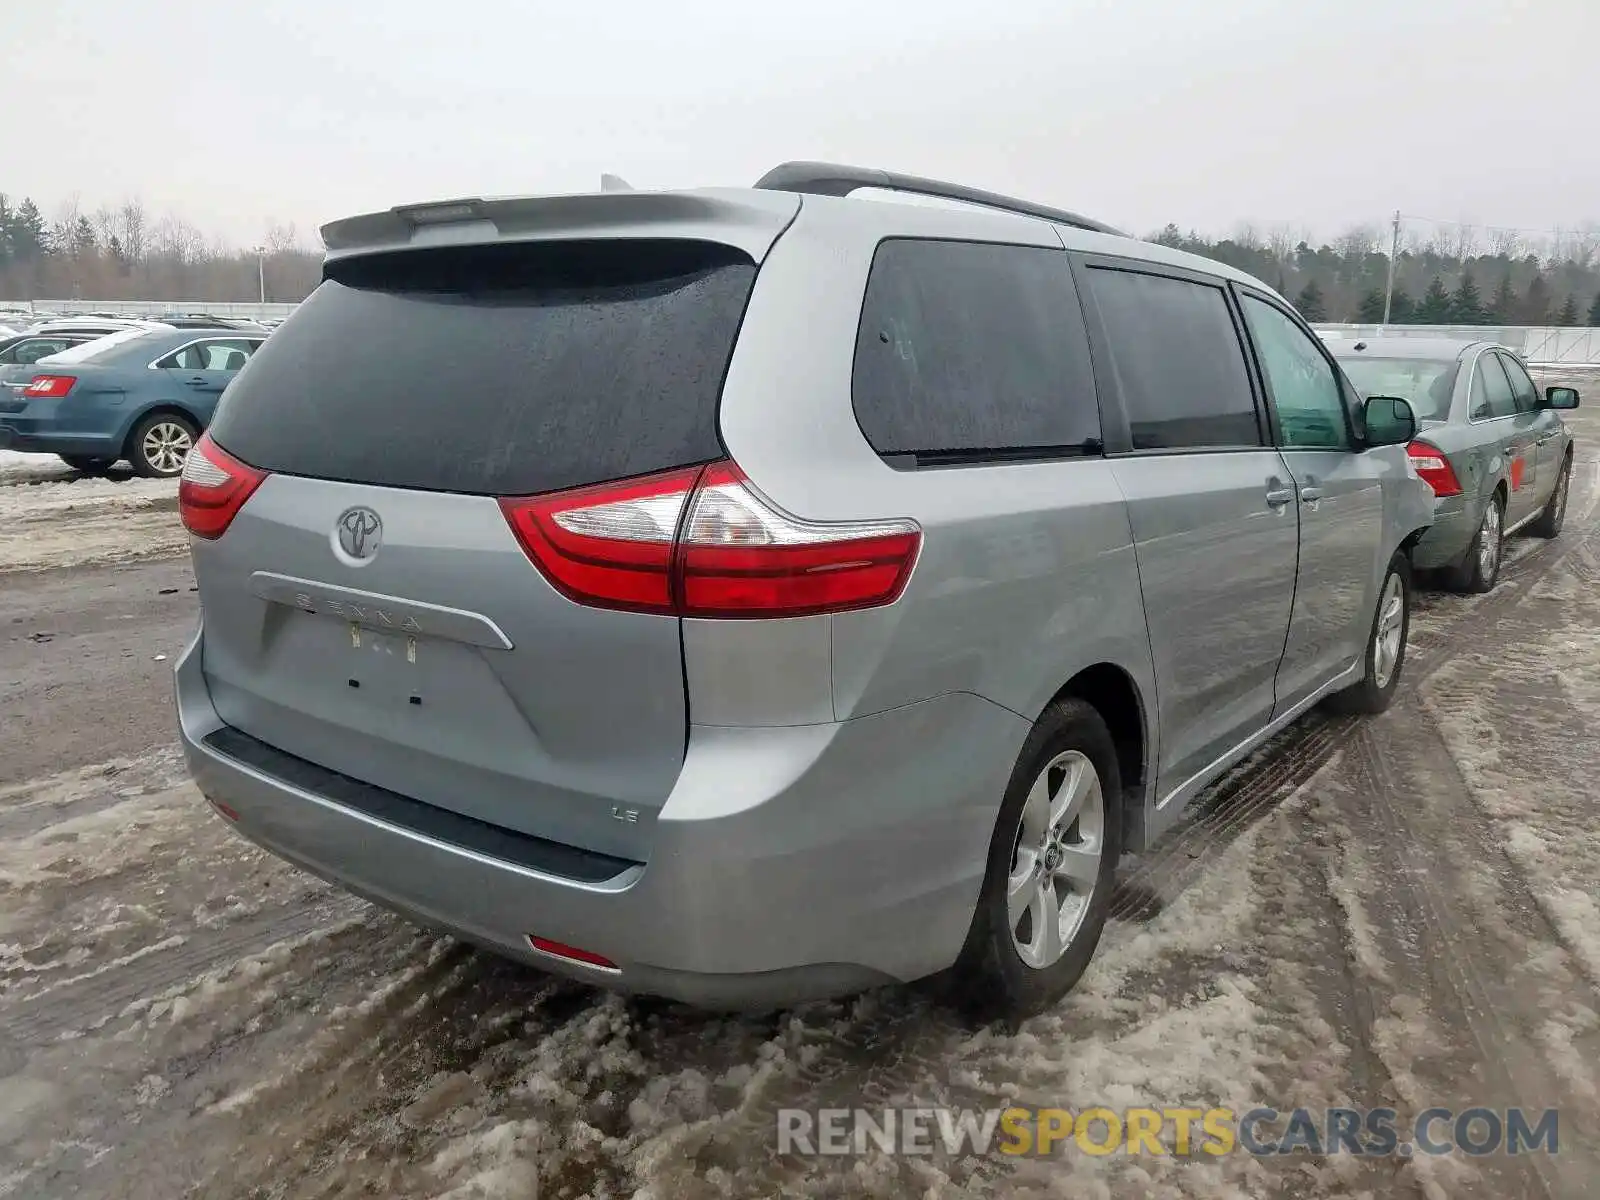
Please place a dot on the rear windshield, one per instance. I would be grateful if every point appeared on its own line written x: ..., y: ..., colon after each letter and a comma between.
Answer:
x: 1426, y: 383
x: 108, y: 346
x: 499, y: 370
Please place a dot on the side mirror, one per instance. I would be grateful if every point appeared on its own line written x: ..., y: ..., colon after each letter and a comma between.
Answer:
x: 1560, y: 397
x: 1389, y: 421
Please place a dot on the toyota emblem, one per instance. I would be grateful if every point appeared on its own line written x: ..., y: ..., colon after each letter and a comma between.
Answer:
x: 360, y: 533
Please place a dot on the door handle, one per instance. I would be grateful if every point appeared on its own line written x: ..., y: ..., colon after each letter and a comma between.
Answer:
x: 1309, y: 494
x: 197, y: 380
x: 1278, y: 497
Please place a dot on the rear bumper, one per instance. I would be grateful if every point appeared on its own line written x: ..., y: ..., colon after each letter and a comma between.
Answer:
x: 788, y: 864
x: 1455, y: 524
x: 34, y: 441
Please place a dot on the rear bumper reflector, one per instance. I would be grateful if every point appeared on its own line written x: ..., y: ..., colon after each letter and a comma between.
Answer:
x: 571, y: 953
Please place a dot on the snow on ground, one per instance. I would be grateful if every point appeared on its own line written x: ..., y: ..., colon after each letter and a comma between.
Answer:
x: 17, y: 467
x: 79, y: 521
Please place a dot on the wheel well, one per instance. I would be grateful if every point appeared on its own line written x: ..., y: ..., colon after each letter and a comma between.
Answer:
x: 162, y: 410
x: 1112, y: 692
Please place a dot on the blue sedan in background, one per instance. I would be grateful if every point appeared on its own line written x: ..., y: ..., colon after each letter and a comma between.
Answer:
x: 139, y: 395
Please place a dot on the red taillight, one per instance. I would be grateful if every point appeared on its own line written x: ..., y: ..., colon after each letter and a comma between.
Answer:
x: 562, y: 950
x: 1434, y: 468
x: 610, y: 545
x: 213, y: 489
x: 49, y: 387
x: 704, y: 543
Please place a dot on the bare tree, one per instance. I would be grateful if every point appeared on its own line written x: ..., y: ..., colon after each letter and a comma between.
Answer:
x: 281, y: 238
x: 1583, y: 244
x: 132, y: 230
x: 1506, y: 243
x: 1248, y: 236
x: 1462, y: 242
x: 105, y: 225
x: 1281, y: 241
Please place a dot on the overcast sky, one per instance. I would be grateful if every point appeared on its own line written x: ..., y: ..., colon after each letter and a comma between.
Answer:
x: 1139, y: 112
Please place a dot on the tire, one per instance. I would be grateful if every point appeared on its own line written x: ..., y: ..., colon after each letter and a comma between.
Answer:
x: 89, y: 466
x: 159, y: 443
x: 1478, y: 571
x: 1378, y: 685
x: 1549, y: 522
x: 1070, y: 750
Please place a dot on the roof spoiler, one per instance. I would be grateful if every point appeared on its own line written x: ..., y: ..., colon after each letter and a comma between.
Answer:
x: 832, y: 179
x: 750, y: 221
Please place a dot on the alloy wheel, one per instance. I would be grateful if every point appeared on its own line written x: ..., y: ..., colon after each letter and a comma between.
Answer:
x: 1489, y: 542
x: 1386, y: 641
x: 1056, y: 861
x: 165, y: 446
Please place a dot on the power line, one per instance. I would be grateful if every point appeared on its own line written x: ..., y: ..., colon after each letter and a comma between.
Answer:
x: 1492, y: 228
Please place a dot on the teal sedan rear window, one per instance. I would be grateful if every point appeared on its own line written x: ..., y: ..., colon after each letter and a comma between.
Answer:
x: 1426, y: 383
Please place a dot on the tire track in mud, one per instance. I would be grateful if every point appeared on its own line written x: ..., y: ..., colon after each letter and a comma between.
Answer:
x: 1459, y: 918
x: 50, y: 1013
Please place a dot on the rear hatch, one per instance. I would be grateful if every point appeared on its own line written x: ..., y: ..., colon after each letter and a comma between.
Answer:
x: 370, y: 608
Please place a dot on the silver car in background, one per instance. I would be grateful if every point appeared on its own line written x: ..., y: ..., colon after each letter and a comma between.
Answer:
x: 758, y: 594
x: 1493, y: 448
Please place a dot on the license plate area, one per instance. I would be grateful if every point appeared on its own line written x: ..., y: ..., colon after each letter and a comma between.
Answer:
x: 386, y: 666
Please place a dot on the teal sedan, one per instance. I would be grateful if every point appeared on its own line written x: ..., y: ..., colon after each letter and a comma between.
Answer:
x: 1491, y: 445
x: 144, y: 395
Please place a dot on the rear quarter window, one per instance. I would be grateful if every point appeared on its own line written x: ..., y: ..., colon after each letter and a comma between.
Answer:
x: 966, y: 348
x: 497, y: 370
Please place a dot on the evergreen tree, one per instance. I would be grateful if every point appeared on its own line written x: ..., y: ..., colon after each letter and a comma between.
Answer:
x: 1436, y: 308
x: 1503, y: 304
x: 1313, y: 307
x: 1371, y: 310
x: 1170, y: 235
x: 1568, y: 315
x: 84, y: 242
x: 28, y: 233
x: 1402, y: 309
x: 1466, y: 305
x: 1536, y: 304
x: 1594, y: 312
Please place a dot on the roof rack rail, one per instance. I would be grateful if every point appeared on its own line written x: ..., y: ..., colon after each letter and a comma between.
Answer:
x: 830, y: 179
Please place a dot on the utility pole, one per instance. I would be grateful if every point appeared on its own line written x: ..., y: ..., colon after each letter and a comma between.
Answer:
x: 261, y: 272
x: 1394, y: 255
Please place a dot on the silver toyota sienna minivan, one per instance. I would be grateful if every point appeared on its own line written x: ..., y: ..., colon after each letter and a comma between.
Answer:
x: 752, y: 595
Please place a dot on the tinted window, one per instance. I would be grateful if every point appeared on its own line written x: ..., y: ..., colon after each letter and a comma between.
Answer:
x: 1305, y: 386
x: 497, y: 369
x: 970, y: 347
x: 1178, y: 360
x: 1496, y: 387
x: 1427, y: 383
x: 1522, y: 389
x: 217, y: 354
x: 33, y: 349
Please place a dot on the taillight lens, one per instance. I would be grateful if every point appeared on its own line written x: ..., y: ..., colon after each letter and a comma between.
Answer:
x: 703, y: 542
x: 1434, y: 468
x: 49, y: 387
x: 611, y: 545
x: 743, y: 557
x: 213, y: 488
